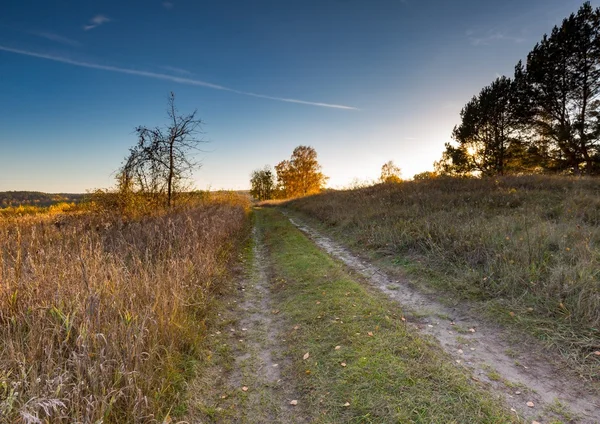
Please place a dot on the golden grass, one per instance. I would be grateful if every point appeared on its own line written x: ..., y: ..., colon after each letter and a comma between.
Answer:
x: 28, y: 210
x: 100, y: 316
x: 530, y: 243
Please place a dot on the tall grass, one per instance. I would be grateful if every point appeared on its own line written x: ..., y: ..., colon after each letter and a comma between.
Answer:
x: 99, y: 316
x: 531, y: 242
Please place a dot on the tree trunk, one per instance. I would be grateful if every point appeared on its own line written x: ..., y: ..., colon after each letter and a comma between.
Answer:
x: 171, y: 173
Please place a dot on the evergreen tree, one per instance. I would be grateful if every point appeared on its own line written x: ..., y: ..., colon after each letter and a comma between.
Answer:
x: 486, y: 136
x: 562, y: 75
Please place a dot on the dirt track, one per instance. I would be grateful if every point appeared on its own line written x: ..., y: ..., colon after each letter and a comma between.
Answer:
x: 534, y: 389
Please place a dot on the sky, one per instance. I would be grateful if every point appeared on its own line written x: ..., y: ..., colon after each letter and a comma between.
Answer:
x: 361, y: 81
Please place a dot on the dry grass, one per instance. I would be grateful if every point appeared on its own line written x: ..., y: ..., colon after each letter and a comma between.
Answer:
x: 29, y: 210
x: 529, y: 244
x: 100, y: 318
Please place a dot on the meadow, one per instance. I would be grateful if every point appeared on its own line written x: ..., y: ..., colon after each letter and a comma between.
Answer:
x: 524, y: 247
x: 103, y: 316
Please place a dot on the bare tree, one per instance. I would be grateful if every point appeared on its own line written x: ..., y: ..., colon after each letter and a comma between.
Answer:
x: 163, y: 156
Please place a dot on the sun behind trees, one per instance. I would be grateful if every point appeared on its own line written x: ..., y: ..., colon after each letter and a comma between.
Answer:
x: 546, y: 118
x: 299, y: 176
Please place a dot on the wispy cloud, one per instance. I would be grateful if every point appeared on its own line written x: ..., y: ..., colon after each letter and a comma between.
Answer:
x: 96, y: 21
x: 179, y: 80
x: 491, y: 36
x: 176, y: 70
x: 57, y: 38
x: 168, y: 5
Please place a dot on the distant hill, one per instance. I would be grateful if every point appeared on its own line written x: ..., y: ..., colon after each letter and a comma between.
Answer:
x: 36, y: 198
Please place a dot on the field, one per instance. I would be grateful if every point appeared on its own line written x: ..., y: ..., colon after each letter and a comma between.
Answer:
x: 102, y: 319
x: 524, y: 248
x: 117, y: 311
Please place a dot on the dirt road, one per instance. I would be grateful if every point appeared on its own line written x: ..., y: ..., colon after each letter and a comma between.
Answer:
x: 532, y: 387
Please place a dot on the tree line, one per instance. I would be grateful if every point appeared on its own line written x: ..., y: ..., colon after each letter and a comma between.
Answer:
x: 546, y: 118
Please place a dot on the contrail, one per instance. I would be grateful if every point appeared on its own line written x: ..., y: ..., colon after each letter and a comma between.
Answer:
x: 179, y: 80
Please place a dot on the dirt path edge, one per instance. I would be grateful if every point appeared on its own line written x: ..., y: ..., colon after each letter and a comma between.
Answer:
x: 479, y: 346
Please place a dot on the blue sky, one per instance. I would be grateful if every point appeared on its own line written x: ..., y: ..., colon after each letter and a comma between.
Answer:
x: 362, y: 81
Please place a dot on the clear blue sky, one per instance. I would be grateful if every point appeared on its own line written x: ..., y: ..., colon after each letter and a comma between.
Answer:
x: 378, y: 80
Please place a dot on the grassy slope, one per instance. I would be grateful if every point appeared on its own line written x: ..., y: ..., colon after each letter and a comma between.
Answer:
x: 391, y: 375
x: 526, y: 247
x: 103, y: 320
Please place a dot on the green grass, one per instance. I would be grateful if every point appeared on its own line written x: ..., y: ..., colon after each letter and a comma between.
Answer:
x: 391, y: 374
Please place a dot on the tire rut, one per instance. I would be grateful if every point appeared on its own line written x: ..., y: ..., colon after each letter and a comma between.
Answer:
x: 261, y: 367
x: 476, y: 345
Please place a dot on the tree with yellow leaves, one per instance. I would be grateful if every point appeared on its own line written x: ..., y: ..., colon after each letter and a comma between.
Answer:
x: 390, y: 173
x: 301, y: 175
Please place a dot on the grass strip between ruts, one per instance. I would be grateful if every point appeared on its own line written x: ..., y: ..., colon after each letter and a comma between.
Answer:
x: 381, y: 371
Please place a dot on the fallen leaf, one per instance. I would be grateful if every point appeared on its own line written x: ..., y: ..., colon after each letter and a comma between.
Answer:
x: 244, y: 389
x: 296, y: 327
x: 343, y: 364
x: 347, y: 404
x: 370, y: 334
x: 338, y: 347
x: 218, y: 332
x: 511, y: 313
x: 294, y: 402
x: 306, y: 355
x: 530, y: 404
x: 307, y: 372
